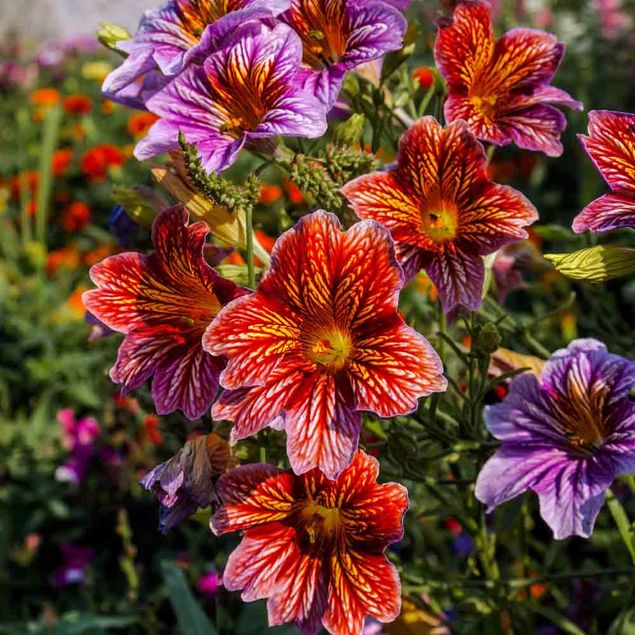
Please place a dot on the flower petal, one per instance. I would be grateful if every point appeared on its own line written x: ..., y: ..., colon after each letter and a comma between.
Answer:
x: 322, y: 426
x: 611, y: 211
x: 458, y: 277
x: 391, y: 370
x: 611, y: 146
x: 465, y: 44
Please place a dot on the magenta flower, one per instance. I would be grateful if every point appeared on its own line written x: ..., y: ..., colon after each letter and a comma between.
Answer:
x: 245, y: 92
x: 210, y: 583
x: 565, y: 436
x: 180, y: 32
x: 78, y: 437
x: 338, y: 35
x: 611, y: 147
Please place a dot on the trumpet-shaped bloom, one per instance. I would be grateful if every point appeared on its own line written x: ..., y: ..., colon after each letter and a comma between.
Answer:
x: 182, y: 31
x: 565, y: 436
x: 314, y: 547
x: 320, y: 340
x: 163, y: 303
x: 338, y: 35
x: 502, y: 87
x: 244, y: 92
x: 442, y: 210
x: 611, y: 146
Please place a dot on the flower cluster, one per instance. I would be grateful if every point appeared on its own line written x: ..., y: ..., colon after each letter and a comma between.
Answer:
x: 318, y: 346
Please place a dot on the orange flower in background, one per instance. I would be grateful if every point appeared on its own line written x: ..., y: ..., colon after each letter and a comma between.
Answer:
x: 61, y: 160
x: 96, y: 161
x: 270, y: 194
x: 96, y: 255
x: 45, y: 97
x: 77, y: 105
x: 314, y: 547
x: 424, y: 77
x: 139, y: 123
x: 293, y: 192
x: 76, y: 216
x: 75, y: 302
x: 66, y: 258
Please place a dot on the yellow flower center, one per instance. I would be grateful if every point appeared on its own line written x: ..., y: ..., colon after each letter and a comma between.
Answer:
x: 485, y: 104
x: 330, y: 349
x: 321, y: 524
x: 439, y: 221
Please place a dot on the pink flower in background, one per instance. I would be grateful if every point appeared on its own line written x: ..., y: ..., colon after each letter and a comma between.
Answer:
x: 209, y: 583
x: 78, y: 437
x: 612, y: 17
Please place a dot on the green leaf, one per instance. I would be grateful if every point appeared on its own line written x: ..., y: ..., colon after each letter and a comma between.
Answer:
x: 190, y: 616
x: 595, y: 264
x: 624, y: 525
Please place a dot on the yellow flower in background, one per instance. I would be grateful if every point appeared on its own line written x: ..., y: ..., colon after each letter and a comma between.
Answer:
x: 97, y: 70
x: 416, y: 620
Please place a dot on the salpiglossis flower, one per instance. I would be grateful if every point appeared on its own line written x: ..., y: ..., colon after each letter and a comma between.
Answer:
x: 314, y: 547
x: 611, y: 146
x: 320, y: 340
x: 338, y: 35
x: 243, y: 93
x: 163, y: 303
x: 180, y: 32
x: 502, y: 87
x: 442, y: 210
x: 565, y: 436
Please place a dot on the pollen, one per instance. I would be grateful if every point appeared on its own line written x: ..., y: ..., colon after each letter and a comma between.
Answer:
x: 330, y: 349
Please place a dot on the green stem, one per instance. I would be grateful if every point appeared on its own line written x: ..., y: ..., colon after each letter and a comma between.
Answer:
x: 47, y: 148
x: 624, y: 526
x: 251, y: 270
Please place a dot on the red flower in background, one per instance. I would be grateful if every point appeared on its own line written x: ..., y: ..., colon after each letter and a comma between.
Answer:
x: 76, y: 216
x: 140, y: 122
x: 61, y: 160
x: 96, y: 161
x: 314, y: 547
x: 77, y: 105
x: 501, y: 88
x: 442, y: 210
x: 320, y: 340
x: 163, y: 303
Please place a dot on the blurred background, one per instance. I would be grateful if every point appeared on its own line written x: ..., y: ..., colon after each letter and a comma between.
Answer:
x: 79, y: 546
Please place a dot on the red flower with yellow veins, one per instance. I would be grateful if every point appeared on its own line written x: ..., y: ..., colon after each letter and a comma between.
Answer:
x: 502, y: 87
x: 163, y: 303
x: 314, y: 547
x: 320, y: 340
x: 442, y: 210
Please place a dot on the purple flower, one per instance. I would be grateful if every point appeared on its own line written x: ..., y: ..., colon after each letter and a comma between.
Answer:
x: 243, y: 93
x: 78, y: 437
x: 73, y: 568
x: 185, y: 482
x: 565, y: 436
x: 338, y: 35
x: 180, y: 32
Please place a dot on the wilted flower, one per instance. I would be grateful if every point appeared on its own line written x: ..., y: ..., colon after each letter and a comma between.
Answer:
x: 442, y: 210
x: 501, y: 88
x: 338, y: 35
x: 565, y: 436
x: 186, y: 481
x: 180, y: 32
x: 243, y: 93
x: 611, y: 147
x: 314, y: 547
x: 320, y: 340
x: 163, y: 303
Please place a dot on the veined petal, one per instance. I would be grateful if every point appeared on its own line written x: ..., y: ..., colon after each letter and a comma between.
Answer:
x: 361, y: 584
x: 263, y: 555
x: 611, y: 211
x: 496, y: 216
x: 611, y: 146
x: 391, y: 370
x: 254, y: 333
x: 322, y: 426
x: 458, y: 277
x: 465, y: 44
x: 536, y: 128
x: 253, y: 495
